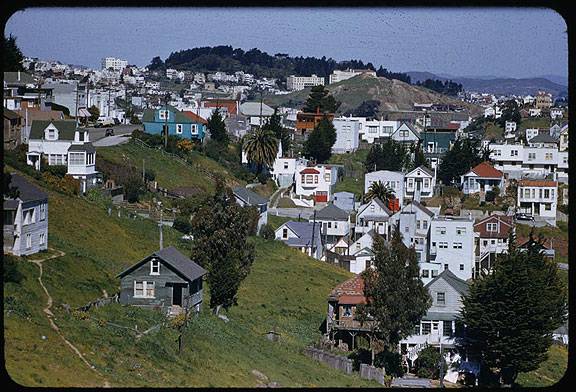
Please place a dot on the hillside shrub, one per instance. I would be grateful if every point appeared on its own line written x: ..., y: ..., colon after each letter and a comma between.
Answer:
x: 391, y: 362
x: 428, y: 363
x: 10, y: 272
x: 182, y: 224
x: 267, y: 232
x: 490, y: 196
x: 56, y: 170
x: 263, y: 178
x: 67, y: 185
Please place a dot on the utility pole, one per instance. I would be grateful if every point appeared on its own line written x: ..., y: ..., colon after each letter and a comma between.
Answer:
x: 160, y: 225
x: 260, y: 108
x: 76, y: 105
x: 166, y: 121
x: 313, y: 233
x: 143, y: 171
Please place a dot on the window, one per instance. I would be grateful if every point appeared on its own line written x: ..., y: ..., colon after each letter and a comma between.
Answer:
x: 329, y: 225
x: 144, y: 289
x: 28, y: 241
x: 546, y: 193
x: 335, y: 225
x: 446, y: 328
x: 327, y: 177
x: 440, y: 230
x: 29, y: 216
x: 540, y: 193
x: 150, y: 286
x: 163, y: 114
x: 434, y: 273
x: 531, y: 156
x: 76, y: 158
x: 193, y: 129
x: 457, y: 245
x: 441, y: 298
x: 435, y: 326
x: 485, y: 242
x: 460, y: 230
x: 418, y: 225
x: 284, y: 233
x: 425, y: 273
x: 416, y: 330
x: 548, y: 156
x: 445, y: 266
x: 514, y: 153
x: 42, y: 238
x: 497, y: 153
x: 548, y: 207
x: 426, y: 327
x: 426, y: 183
x: 424, y: 225
x: 154, y: 267
x: 347, y: 311
x: 443, y: 245
x: 285, y: 165
x: 315, y: 179
x: 461, y: 267
x: 179, y: 129
x: 492, y: 227
x: 309, y: 179
x: 138, y: 289
x: 303, y: 177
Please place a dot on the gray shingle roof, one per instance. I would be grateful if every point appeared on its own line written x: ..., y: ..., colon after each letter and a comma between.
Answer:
x: 304, y: 232
x: 422, y: 208
x: 461, y: 286
x: 249, y: 197
x: 543, y: 138
x: 87, y: 147
x: 253, y: 109
x: 171, y: 256
x: 28, y: 192
x: 331, y: 212
x: 9, y: 114
x: 12, y: 78
x: 66, y: 128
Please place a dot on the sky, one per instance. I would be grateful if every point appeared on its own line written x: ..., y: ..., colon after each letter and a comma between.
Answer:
x: 503, y: 42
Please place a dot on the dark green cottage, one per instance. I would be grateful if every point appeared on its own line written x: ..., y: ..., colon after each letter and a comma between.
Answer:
x: 165, y: 280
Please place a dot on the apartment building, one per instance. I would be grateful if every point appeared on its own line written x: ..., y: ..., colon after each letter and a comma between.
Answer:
x: 114, y: 63
x: 296, y: 83
x: 347, y: 135
x: 338, y: 75
x: 538, y: 198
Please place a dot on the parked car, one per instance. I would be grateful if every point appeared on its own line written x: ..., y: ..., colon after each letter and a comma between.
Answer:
x: 109, y: 132
x: 522, y: 216
x: 104, y: 122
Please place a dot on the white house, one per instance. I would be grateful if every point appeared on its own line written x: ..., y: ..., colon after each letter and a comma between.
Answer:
x: 564, y: 138
x: 538, y: 198
x: 414, y: 222
x: 257, y: 113
x: 493, y: 111
x: 556, y: 113
x: 372, y: 130
x: 419, y: 183
x: 52, y: 139
x: 245, y: 197
x: 393, y: 180
x: 406, y: 133
x: 373, y: 215
x: 316, y: 182
x: 510, y: 129
x: 299, y: 235
x: 338, y: 75
x: 295, y: 83
x: 531, y: 132
x: 334, y: 223
x: 451, y: 246
x: 25, y: 219
x: 534, y: 112
x: 82, y: 165
x: 517, y: 159
x: 347, y: 135
x: 439, y: 326
x: 482, y: 178
x: 362, y: 259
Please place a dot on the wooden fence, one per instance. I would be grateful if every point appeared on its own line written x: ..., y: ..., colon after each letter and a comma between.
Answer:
x: 99, y: 302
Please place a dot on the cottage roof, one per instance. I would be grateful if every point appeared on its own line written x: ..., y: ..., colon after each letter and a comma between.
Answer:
x: 179, y: 117
x: 304, y: 232
x: 11, y: 115
x: 27, y: 191
x: 194, y: 117
x: 422, y: 168
x: 66, y: 128
x: 461, y: 286
x: 543, y: 137
x: 379, y: 202
x: 86, y: 147
x: 171, y: 256
x: 249, y: 197
x: 485, y: 169
x: 309, y: 170
x: 417, y: 204
x: 18, y: 78
x: 506, y: 225
x: 331, y: 212
x: 351, y: 287
x: 253, y: 109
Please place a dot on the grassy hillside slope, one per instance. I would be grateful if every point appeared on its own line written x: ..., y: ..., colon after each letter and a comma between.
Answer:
x: 393, y: 95
x: 286, y: 291
x: 169, y: 172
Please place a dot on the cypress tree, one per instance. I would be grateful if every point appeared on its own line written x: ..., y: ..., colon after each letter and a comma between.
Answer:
x: 217, y: 128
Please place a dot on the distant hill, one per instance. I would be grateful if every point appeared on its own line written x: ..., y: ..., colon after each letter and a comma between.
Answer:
x: 393, y: 95
x: 500, y: 86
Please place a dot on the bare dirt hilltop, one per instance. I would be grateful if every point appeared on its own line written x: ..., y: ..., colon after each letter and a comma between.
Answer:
x: 393, y: 95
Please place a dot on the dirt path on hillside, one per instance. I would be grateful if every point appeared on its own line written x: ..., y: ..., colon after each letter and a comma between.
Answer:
x: 50, y: 315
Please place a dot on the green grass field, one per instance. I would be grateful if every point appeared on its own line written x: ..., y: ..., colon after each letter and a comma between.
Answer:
x: 169, y: 173
x: 549, y: 372
x: 286, y: 290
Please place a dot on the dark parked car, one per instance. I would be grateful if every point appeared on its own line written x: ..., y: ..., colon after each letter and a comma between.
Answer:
x: 109, y: 132
x: 521, y: 216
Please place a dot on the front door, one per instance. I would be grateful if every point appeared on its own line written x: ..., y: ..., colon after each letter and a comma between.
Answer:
x: 177, y: 295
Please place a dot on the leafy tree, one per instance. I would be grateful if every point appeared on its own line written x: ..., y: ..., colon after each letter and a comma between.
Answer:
x: 261, y: 147
x: 94, y: 113
x: 464, y: 155
x: 10, y: 271
x: 428, y: 363
x: 510, y: 112
x: 156, y: 64
x: 220, y: 228
x: 217, y: 128
x: 391, y: 155
x: 319, y: 144
x: 367, y: 109
x: 182, y: 224
x: 380, y: 191
x: 511, y: 313
x: 12, y: 55
x: 321, y: 99
x: 8, y: 190
x: 419, y: 158
x: 396, y: 297
x: 267, y: 232
x: 274, y: 124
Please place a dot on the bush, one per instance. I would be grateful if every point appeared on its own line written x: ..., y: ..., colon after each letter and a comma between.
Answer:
x: 67, y: 185
x: 491, y: 196
x: 11, y: 273
x: 263, y: 178
x: 149, y: 175
x: 56, y: 170
x: 182, y: 224
x: 267, y: 232
x: 428, y: 363
x: 391, y: 362
x: 359, y: 356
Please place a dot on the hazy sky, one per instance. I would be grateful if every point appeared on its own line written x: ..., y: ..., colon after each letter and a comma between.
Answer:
x: 515, y: 42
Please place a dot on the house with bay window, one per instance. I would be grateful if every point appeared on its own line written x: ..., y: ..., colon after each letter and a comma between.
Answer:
x: 420, y: 183
x: 373, y: 215
x: 51, y: 139
x: 25, y: 218
x: 538, y: 198
x: 481, y: 179
x: 82, y: 165
x: 187, y: 125
x: 165, y: 280
x: 491, y: 239
x: 316, y: 183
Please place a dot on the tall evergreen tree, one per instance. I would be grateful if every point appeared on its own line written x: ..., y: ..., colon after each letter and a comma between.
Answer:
x: 396, y: 297
x: 275, y: 125
x: 510, y: 112
x: 319, y: 144
x: 12, y: 56
x: 217, y: 128
x: 510, y: 314
x: 321, y: 99
x: 391, y: 155
x: 220, y: 228
x: 463, y: 155
x: 419, y: 158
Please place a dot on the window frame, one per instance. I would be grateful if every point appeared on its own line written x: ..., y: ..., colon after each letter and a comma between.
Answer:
x: 154, y: 265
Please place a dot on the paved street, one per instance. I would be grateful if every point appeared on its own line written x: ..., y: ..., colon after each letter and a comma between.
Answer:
x: 98, y: 133
x: 112, y: 140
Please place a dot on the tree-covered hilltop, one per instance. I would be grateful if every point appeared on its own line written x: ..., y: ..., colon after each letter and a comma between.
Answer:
x: 446, y: 87
x: 261, y: 64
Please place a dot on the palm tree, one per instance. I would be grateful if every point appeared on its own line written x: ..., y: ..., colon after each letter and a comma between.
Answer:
x: 261, y: 147
x: 380, y: 191
x: 485, y: 154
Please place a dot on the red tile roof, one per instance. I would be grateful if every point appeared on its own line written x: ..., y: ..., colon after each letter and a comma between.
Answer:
x: 353, y: 287
x: 309, y: 170
x: 193, y: 116
x: 537, y: 183
x: 485, y: 169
